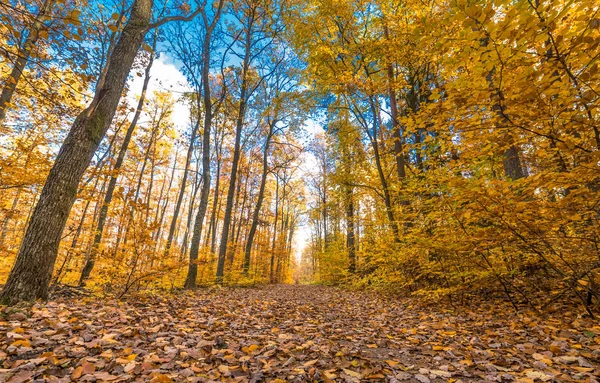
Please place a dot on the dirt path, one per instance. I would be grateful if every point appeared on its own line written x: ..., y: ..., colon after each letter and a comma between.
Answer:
x: 289, y: 333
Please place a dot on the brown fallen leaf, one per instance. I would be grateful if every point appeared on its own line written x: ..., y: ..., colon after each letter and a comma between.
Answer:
x: 129, y: 366
x: 20, y: 377
x: 161, y: 378
x: 103, y: 375
x: 352, y: 373
x: 77, y: 373
x: 87, y: 367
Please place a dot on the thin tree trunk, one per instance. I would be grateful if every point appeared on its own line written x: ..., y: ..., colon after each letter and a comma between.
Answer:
x: 190, y: 280
x: 350, y: 229
x: 400, y: 166
x: 188, y: 159
x: 216, y: 203
x: 237, y: 221
x: 8, y: 216
x: 151, y: 184
x: 188, y: 222
x: 272, y: 268
x: 236, y: 157
x: 259, y: 201
x: 386, y: 192
x: 161, y: 211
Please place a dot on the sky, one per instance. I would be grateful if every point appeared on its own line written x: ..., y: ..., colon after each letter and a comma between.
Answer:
x: 165, y: 76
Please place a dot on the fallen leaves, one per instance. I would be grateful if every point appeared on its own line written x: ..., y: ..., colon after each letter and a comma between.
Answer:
x: 290, y: 333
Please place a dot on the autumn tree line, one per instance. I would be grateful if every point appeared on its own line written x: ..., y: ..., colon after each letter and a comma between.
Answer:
x: 101, y: 188
x: 461, y: 148
x: 459, y: 152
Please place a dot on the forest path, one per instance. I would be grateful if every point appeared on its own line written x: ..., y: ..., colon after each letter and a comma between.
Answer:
x: 289, y: 333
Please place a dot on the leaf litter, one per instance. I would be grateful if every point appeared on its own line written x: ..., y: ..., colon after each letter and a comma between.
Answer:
x: 291, y: 334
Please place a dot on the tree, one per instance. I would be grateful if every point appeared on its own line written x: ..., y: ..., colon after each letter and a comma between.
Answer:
x: 31, y: 274
x: 210, y: 25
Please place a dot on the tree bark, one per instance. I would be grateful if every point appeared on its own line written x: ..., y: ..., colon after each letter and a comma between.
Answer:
x: 386, y: 192
x: 188, y: 223
x: 512, y: 164
x: 31, y: 274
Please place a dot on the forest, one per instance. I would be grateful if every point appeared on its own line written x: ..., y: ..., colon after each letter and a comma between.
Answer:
x: 299, y: 190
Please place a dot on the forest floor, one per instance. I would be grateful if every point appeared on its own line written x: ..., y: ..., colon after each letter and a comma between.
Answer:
x: 291, y: 333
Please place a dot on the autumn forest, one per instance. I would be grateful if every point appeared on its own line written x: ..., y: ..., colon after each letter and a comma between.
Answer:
x: 312, y: 190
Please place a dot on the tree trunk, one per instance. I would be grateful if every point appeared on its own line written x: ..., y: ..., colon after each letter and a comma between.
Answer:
x: 188, y: 159
x: 8, y: 217
x: 400, y: 166
x: 188, y: 222
x: 161, y: 211
x: 512, y: 164
x: 216, y: 203
x: 386, y: 192
x: 350, y: 229
x: 259, y: 201
x: 272, y: 268
x: 31, y: 274
x: 236, y: 158
x: 190, y: 280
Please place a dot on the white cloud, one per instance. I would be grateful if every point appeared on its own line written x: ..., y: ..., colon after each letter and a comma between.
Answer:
x: 164, y: 76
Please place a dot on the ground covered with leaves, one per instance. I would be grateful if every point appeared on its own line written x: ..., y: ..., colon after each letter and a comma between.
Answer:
x: 291, y: 333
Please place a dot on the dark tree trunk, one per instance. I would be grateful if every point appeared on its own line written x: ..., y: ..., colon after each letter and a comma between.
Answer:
x: 188, y: 223
x: 386, y: 191
x: 400, y: 166
x: 512, y: 164
x: 162, y: 210
x: 31, y: 274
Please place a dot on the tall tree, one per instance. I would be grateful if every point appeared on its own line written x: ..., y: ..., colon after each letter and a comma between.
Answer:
x: 209, y: 25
